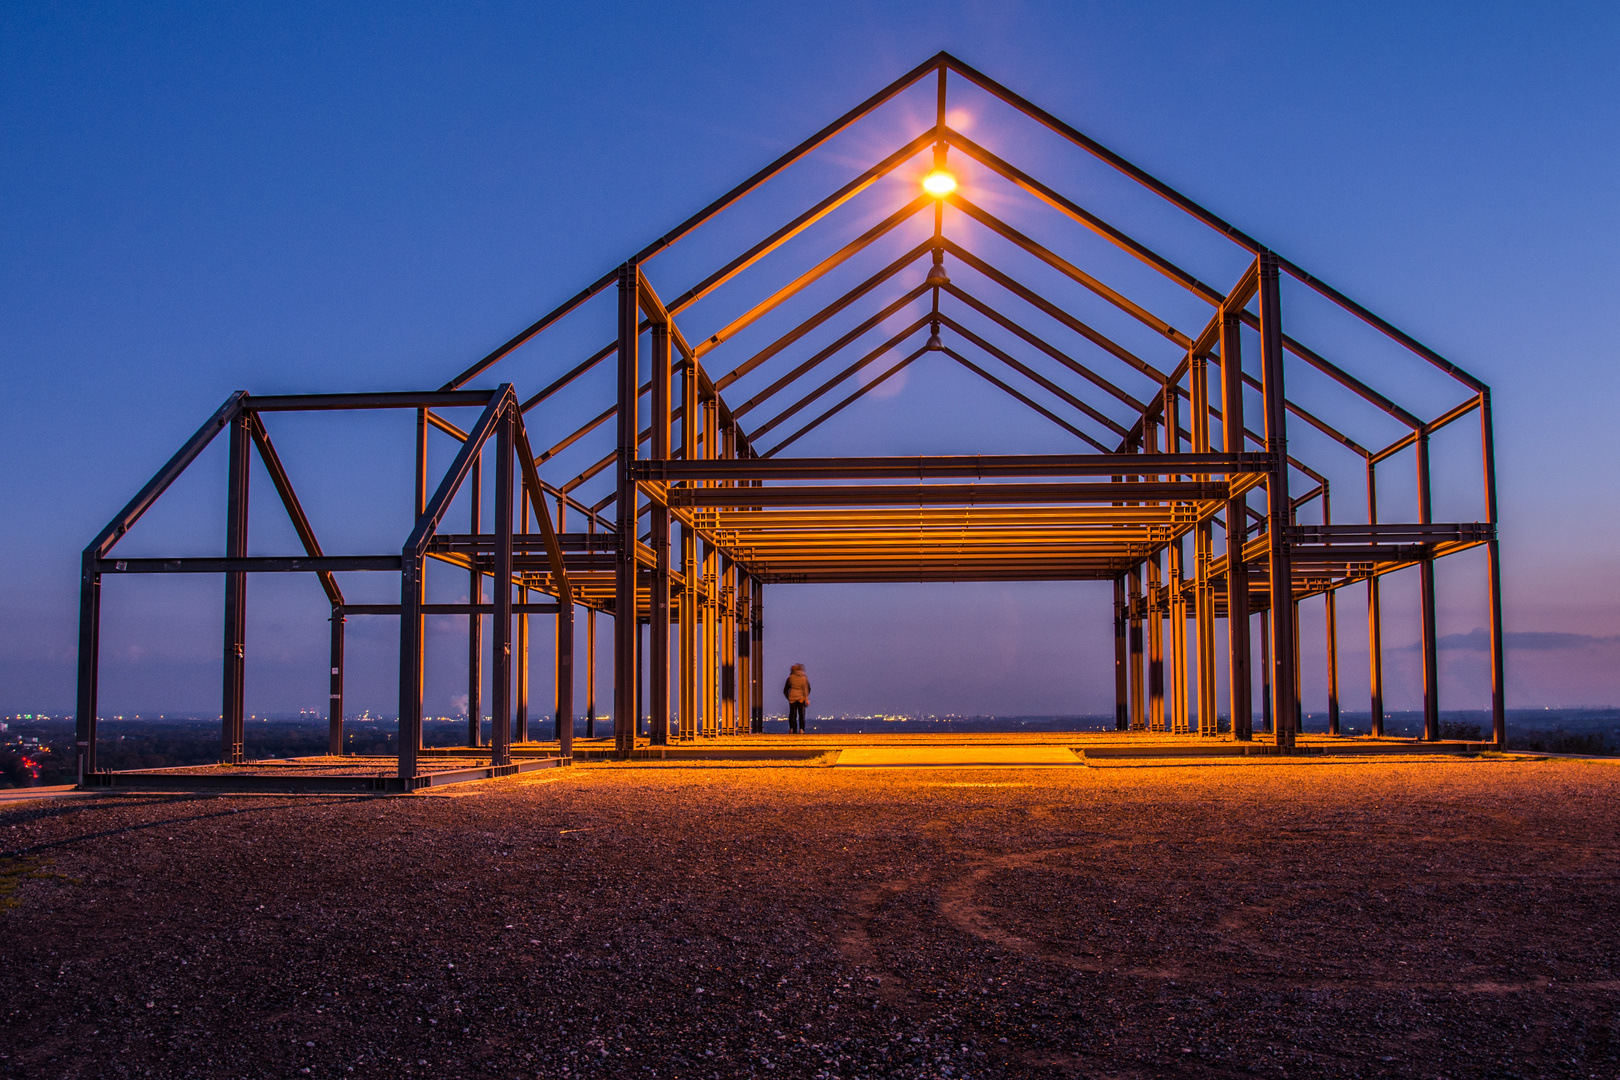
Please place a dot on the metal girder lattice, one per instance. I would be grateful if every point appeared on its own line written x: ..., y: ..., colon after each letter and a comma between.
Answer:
x: 689, y: 514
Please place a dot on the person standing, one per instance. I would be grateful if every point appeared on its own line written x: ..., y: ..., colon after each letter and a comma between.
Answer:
x: 797, y: 692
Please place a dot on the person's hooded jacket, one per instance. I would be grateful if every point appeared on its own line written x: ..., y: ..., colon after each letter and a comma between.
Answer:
x: 797, y: 687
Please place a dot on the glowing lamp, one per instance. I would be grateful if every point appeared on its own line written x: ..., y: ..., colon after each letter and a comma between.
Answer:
x: 939, y: 183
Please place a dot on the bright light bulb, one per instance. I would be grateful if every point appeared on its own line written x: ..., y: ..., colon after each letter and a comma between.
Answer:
x: 939, y: 182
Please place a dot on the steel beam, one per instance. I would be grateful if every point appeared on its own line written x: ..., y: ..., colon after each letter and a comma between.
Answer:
x: 1493, y: 570
x: 1285, y: 703
x: 475, y: 621
x: 334, y: 709
x: 1122, y: 705
x: 410, y: 399
x: 659, y: 610
x: 500, y: 706
x: 624, y: 596
x: 1240, y: 680
x: 1137, y: 695
x: 948, y: 494
x: 236, y: 537
x: 950, y: 466
x: 1427, y: 637
x: 758, y: 632
x: 85, y: 718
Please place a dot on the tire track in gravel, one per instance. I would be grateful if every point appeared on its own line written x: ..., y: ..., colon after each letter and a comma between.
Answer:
x: 856, y: 943
x: 960, y: 906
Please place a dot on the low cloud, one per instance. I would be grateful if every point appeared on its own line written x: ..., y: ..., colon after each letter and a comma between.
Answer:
x: 1477, y: 640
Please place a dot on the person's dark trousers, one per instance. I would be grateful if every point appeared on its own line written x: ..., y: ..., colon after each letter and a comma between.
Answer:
x: 796, y: 718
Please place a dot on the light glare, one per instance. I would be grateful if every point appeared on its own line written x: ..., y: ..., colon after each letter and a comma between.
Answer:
x: 939, y: 182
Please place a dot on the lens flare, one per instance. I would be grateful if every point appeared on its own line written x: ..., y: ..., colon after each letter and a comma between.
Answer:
x: 939, y: 182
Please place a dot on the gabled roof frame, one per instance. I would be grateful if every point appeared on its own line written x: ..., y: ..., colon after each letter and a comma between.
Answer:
x: 747, y: 515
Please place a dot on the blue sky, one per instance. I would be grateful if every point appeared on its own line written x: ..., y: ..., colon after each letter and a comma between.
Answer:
x: 196, y: 199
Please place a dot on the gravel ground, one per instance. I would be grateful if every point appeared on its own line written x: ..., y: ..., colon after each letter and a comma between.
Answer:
x: 1437, y: 918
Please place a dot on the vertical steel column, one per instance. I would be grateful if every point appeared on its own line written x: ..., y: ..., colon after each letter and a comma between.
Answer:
x: 1154, y: 611
x: 1265, y: 675
x: 1431, y: 659
x: 1174, y: 649
x: 1180, y: 698
x: 658, y: 611
x: 641, y: 676
x: 727, y: 612
x: 236, y: 534
x: 564, y: 669
x: 711, y: 591
x: 1296, y: 714
x: 1493, y: 567
x: 1183, y: 683
x: 334, y: 708
x: 1331, y: 610
x: 745, y: 655
x: 1279, y: 510
x: 1203, y: 559
x: 728, y: 642
x: 1176, y: 668
x: 564, y: 707
x: 625, y: 631
x: 410, y: 662
x: 1204, y: 624
x: 475, y: 621
x: 421, y: 461
x: 1239, y: 679
x: 1122, y: 703
x: 590, y: 655
x: 757, y: 665
x: 520, y: 727
x: 733, y: 661
x: 501, y: 643
x: 412, y: 586
x: 590, y: 673
x: 691, y: 411
x: 686, y: 630
x: 707, y: 668
x: 84, y: 719
x: 1138, y: 704
x: 1375, y: 632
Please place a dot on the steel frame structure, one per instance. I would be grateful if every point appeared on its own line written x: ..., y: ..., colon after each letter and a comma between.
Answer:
x: 701, y: 514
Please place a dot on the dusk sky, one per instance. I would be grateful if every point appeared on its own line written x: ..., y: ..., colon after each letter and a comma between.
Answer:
x: 196, y: 199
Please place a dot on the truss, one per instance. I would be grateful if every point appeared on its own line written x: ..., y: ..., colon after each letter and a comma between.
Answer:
x: 680, y: 523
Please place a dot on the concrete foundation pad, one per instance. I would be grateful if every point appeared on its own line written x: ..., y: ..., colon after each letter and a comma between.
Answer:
x: 892, y: 757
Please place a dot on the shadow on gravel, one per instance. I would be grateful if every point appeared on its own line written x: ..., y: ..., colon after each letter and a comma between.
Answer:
x: 80, y: 807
